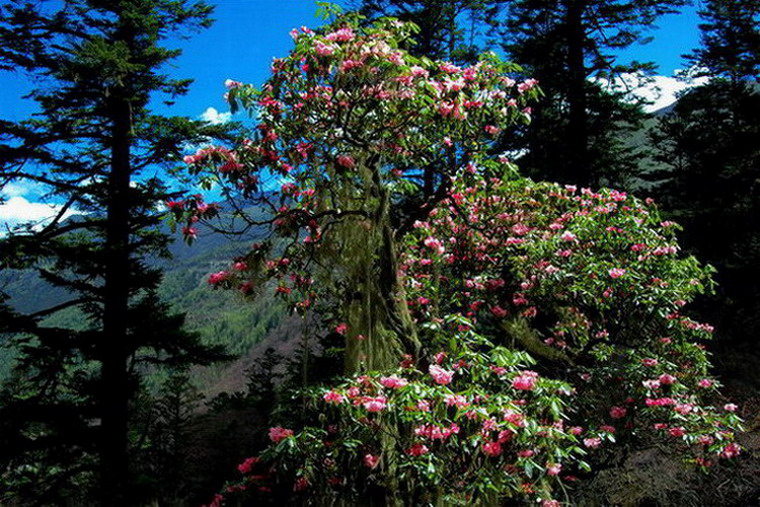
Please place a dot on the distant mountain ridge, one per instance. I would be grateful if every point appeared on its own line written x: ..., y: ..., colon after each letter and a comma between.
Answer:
x: 221, y: 317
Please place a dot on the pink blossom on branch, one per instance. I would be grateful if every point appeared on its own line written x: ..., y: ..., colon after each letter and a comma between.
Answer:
x: 440, y: 376
x: 525, y: 381
x: 278, y: 434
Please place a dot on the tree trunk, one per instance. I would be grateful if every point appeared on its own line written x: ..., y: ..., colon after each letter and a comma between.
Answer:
x: 380, y: 312
x: 579, y: 169
x: 114, y: 388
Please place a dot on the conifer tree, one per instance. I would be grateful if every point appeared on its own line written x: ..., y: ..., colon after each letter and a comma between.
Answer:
x: 569, y: 45
x: 730, y: 37
x: 98, y: 149
x: 711, y: 162
x: 451, y: 30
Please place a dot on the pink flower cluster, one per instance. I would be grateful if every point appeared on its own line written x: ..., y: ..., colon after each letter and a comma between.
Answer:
x: 525, y: 380
x: 440, y: 376
x: 375, y: 404
x: 394, y: 382
x: 278, y: 434
x: 435, y: 432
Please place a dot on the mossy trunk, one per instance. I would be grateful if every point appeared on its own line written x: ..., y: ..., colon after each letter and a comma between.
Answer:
x: 381, y: 327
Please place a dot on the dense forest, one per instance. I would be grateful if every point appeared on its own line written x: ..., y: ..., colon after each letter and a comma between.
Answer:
x: 444, y: 255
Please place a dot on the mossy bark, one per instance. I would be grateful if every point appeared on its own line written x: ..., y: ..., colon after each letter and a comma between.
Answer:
x: 381, y: 328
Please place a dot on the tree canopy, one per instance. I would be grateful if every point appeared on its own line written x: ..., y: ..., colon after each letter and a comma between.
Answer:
x: 95, y: 147
x: 445, y: 299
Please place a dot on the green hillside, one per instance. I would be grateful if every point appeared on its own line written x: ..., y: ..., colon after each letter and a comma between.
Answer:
x: 221, y: 317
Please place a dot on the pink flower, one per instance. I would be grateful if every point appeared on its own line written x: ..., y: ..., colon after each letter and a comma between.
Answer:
x: 323, y: 49
x: 278, y: 434
x: 617, y: 412
x: 301, y: 484
x: 705, y: 440
x: 568, y: 236
x: 394, y: 382
x: 342, y: 35
x: 730, y: 451
x: 376, y: 404
x: 659, y: 402
x: 417, y: 450
x: 705, y: 383
x: 525, y: 453
x: 505, y: 436
x: 492, y: 449
x: 440, y: 375
x: 190, y: 232
x: 513, y: 417
x: 341, y: 328
x: 240, y: 266
x: 649, y: 362
x: 553, y: 468
x: 346, y: 161
x: 246, y: 465
x: 498, y: 312
x: 730, y: 407
x: 371, y: 461
x: 551, y: 503
x: 418, y: 71
x: 683, y: 408
x: 499, y: 370
x: 218, y: 277
x: 334, y: 397
x: 616, y: 272
x: 230, y: 84
x: 592, y: 443
x: 456, y: 400
x: 526, y: 85
x: 677, y: 432
x: 666, y: 379
x: 525, y: 381
x: 439, y: 357
x: 651, y: 384
x: 435, y: 244
x: 490, y: 129
x: 489, y: 425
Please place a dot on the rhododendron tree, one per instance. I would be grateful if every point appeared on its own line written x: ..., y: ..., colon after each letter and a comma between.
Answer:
x: 356, y: 140
x: 591, y: 284
x: 453, y: 440
x: 473, y: 303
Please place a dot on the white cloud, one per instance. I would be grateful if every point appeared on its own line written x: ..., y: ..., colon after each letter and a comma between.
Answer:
x: 659, y: 91
x: 19, y: 188
x: 214, y: 117
x: 17, y: 210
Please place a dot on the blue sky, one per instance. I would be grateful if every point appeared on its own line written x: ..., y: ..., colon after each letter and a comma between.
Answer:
x: 241, y: 45
x: 249, y: 33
